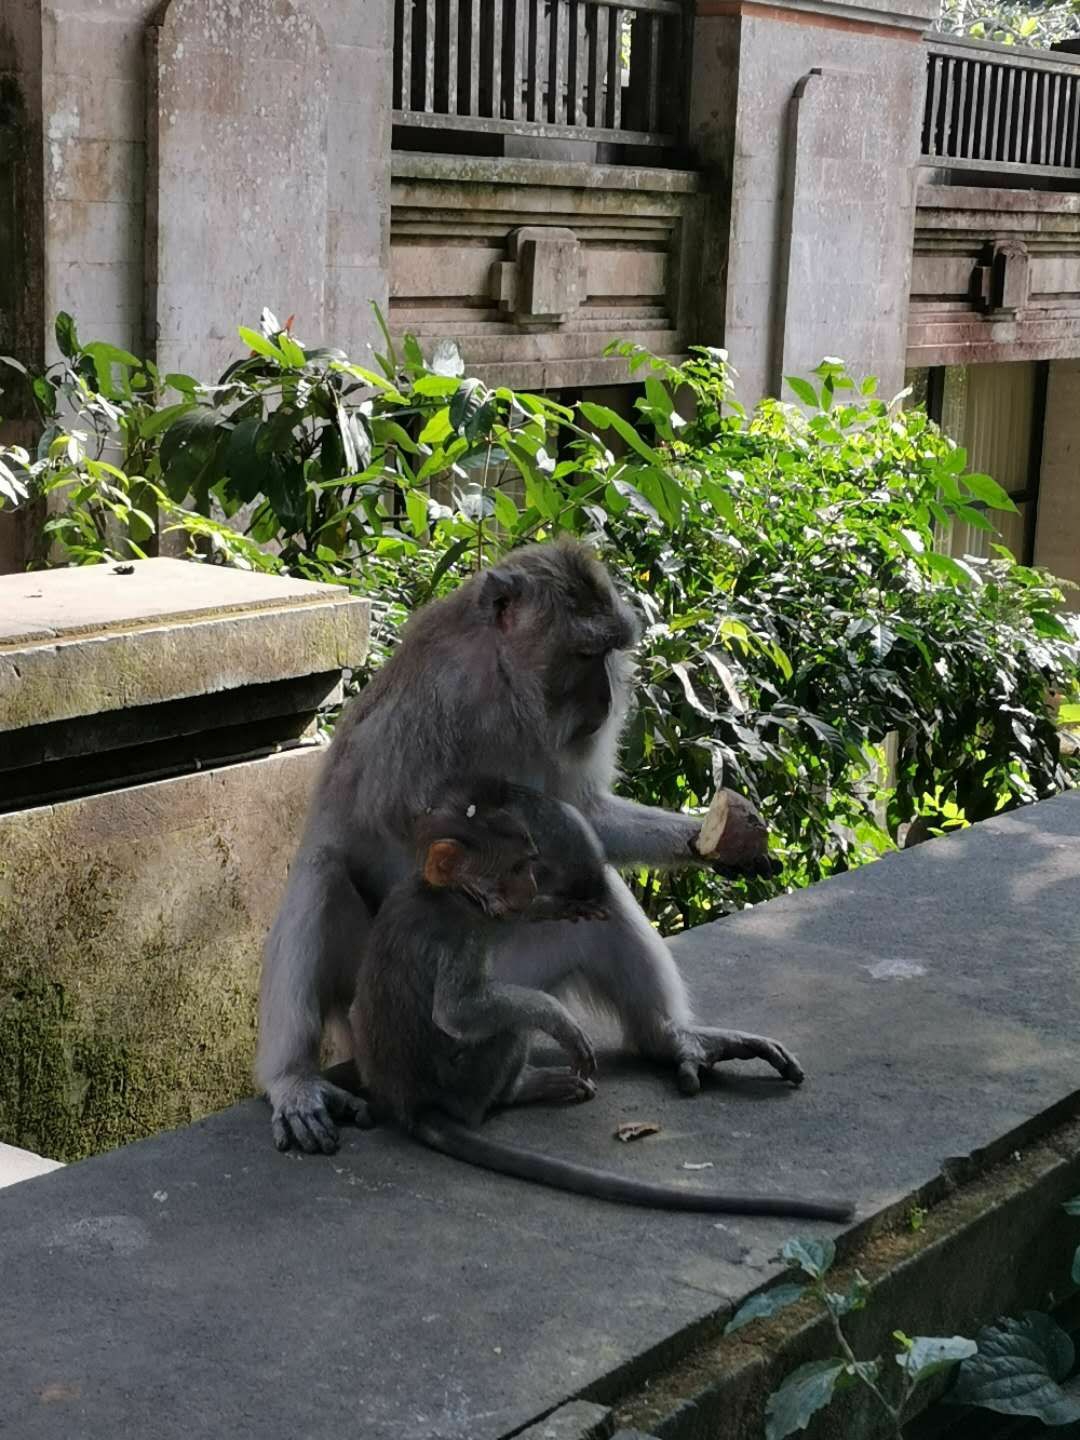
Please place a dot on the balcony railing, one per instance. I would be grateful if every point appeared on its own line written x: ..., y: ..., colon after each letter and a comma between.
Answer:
x: 572, y: 69
x: 1001, y: 108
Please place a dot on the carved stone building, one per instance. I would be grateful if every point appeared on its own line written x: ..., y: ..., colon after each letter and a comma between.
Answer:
x: 536, y: 177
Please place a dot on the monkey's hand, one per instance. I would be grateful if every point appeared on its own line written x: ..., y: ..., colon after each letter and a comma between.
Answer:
x: 304, y: 1112
x: 698, y: 1050
x: 579, y: 1047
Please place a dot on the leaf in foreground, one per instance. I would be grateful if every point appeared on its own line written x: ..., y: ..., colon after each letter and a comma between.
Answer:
x: 812, y: 1256
x: 1019, y: 1370
x: 761, y: 1306
x: 928, y: 1355
x: 805, y: 1391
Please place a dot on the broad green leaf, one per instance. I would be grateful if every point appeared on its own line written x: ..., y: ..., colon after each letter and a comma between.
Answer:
x: 506, y: 512
x: 813, y: 1257
x: 161, y: 419
x: 261, y: 345
x: 764, y: 1304
x: 926, y: 1355
x: 416, y: 506
x: 805, y: 1391
x: 291, y: 351
x: 947, y: 568
x: 854, y: 1298
x: 1019, y: 1370
x: 67, y: 339
x: 436, y: 386
x: 803, y: 391
x: 605, y: 419
x: 437, y: 428
x: 1070, y: 714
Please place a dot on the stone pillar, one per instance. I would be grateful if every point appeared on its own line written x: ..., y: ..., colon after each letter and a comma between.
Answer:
x: 237, y: 135
x: 1057, y: 526
x: 157, y: 751
x: 806, y: 118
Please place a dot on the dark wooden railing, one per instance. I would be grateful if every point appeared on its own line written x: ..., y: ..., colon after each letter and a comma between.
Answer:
x: 574, y: 69
x: 1001, y: 108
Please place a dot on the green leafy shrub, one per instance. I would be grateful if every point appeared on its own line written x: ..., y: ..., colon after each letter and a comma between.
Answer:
x: 805, y: 642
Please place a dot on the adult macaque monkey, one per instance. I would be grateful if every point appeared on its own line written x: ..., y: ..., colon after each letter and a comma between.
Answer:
x: 523, y: 673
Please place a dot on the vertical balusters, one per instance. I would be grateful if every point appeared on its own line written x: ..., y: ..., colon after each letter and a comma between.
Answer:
x: 1073, y: 160
x: 995, y: 127
x: 578, y: 65
x: 947, y: 106
x: 598, y: 66
x: 990, y: 86
x: 964, y: 67
x: 453, y: 28
x: 930, y: 142
x: 519, y: 77
x: 1008, y: 126
x: 653, y: 84
x: 497, y: 9
x: 429, y: 58
x: 613, y: 118
x: 975, y: 103
x: 557, y: 47
x: 405, y: 73
x: 1027, y: 111
x: 1051, y: 154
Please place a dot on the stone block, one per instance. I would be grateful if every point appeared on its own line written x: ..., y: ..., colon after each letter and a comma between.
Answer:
x: 239, y: 143
x: 87, y: 641
x: 131, y: 925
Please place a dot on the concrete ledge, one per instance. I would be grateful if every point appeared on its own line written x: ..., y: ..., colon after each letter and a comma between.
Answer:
x: 17, y: 1165
x: 92, y: 640
x: 200, y: 1284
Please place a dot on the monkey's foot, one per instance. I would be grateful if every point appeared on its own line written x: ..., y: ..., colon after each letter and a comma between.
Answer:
x: 554, y: 1085
x: 698, y: 1050
x: 304, y: 1112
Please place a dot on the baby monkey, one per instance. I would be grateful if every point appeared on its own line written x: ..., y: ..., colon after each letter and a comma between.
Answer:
x: 441, y: 1044
x: 431, y: 1028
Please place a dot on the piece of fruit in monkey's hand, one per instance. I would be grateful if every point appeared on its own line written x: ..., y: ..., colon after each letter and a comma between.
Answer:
x: 734, y: 838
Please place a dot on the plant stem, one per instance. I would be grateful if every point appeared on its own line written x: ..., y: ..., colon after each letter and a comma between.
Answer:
x: 893, y: 1411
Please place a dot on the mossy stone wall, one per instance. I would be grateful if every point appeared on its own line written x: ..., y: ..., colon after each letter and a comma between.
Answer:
x: 131, y: 927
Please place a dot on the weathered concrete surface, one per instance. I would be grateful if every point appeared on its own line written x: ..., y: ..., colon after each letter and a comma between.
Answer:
x: 131, y: 925
x: 201, y: 1284
x: 89, y: 640
x: 1057, y: 526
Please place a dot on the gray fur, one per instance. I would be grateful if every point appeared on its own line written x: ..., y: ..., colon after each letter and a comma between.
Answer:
x: 491, y: 679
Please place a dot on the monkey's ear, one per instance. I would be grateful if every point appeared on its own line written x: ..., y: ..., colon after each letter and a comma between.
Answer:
x: 499, y: 594
x: 441, y: 863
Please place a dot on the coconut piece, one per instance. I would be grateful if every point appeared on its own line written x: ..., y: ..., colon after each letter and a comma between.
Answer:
x: 732, y: 830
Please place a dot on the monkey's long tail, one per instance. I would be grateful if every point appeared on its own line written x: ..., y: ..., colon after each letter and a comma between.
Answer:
x: 458, y: 1141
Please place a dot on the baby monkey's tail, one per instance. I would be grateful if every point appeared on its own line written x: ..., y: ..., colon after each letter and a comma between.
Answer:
x: 451, y: 1138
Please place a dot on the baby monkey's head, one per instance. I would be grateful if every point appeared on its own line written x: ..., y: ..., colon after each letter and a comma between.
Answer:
x: 512, y: 852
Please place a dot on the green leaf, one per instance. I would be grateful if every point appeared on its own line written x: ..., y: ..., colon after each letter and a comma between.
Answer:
x: 292, y: 353
x: 813, y: 1257
x: 262, y: 346
x: 1071, y: 714
x: 946, y: 568
x: 605, y: 419
x: 67, y: 340
x: 803, y: 391
x: 764, y: 1304
x: 1019, y: 1369
x: 926, y: 1355
x: 437, y: 386
x: 805, y: 1391
x: 437, y: 428
x: 161, y: 419
x: 853, y: 1299
x: 416, y: 506
x: 506, y: 512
